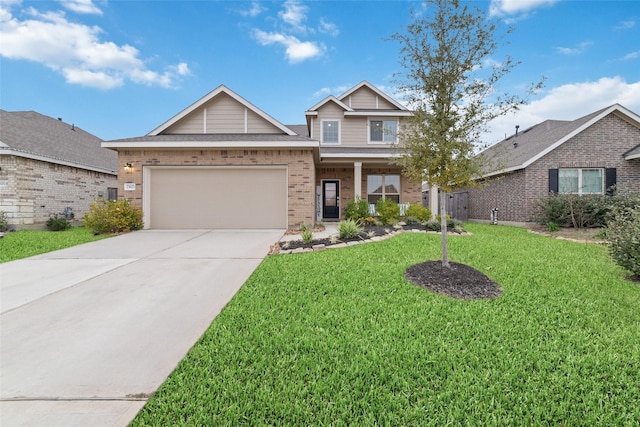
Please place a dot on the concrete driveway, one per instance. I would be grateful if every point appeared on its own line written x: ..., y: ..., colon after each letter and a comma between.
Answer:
x: 87, y: 333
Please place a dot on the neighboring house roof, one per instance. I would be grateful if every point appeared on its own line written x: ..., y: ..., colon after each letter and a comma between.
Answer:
x: 33, y: 135
x: 632, y: 154
x: 520, y: 150
x: 301, y: 130
x: 220, y: 89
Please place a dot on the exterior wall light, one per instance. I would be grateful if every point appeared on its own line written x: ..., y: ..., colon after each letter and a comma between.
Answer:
x: 128, y: 167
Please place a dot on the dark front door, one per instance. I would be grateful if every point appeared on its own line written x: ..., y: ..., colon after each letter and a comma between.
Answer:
x: 330, y: 199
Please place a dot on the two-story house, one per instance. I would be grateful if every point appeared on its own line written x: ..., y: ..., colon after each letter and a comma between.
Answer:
x: 224, y: 163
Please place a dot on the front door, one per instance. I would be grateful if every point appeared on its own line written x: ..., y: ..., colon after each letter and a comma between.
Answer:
x: 330, y: 199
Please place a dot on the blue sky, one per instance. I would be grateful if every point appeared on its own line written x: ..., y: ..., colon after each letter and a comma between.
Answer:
x: 120, y: 68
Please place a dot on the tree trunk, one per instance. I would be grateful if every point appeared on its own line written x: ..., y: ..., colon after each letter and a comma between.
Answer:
x: 443, y: 228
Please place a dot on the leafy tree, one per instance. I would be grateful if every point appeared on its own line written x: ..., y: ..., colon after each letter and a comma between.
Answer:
x: 450, y: 82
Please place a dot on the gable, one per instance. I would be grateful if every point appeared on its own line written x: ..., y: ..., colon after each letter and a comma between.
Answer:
x: 365, y: 98
x: 221, y: 111
x: 222, y: 114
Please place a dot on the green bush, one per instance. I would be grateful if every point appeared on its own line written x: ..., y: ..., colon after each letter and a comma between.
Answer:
x: 56, y: 223
x: 588, y: 211
x: 623, y: 238
x: 419, y: 212
x: 433, y: 225
x: 112, y: 217
x: 349, y: 229
x: 307, y: 236
x: 357, y: 210
x: 411, y: 220
x: 4, y: 223
x: 388, y: 211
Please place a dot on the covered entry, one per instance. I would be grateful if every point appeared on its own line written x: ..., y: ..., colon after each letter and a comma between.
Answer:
x: 215, y: 197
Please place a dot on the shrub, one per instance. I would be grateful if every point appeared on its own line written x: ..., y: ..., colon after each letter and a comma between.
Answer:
x: 4, y: 223
x: 433, y: 225
x: 552, y: 226
x: 357, y: 210
x: 349, y: 229
x: 388, y: 211
x: 307, y: 236
x: 623, y: 238
x: 56, y: 223
x: 112, y: 217
x: 419, y: 212
x: 410, y: 220
x: 588, y: 211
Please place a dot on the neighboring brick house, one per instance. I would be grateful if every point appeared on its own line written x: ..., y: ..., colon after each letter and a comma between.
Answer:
x: 48, y: 166
x: 224, y: 163
x: 588, y: 155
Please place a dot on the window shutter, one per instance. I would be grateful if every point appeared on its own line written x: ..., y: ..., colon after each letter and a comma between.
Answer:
x: 553, y: 180
x: 609, y: 180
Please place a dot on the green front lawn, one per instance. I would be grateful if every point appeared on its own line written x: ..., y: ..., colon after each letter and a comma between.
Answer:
x: 340, y: 338
x: 26, y: 243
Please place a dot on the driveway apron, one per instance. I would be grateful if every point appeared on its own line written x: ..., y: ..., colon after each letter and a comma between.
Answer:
x: 88, y: 333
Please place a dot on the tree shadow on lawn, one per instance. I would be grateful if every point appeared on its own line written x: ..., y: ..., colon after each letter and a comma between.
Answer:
x: 458, y: 281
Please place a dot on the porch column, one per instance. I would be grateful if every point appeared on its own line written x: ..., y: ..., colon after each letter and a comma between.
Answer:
x: 357, y: 177
x: 433, y: 201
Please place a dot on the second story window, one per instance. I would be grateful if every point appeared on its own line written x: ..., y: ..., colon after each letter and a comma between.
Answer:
x: 383, y: 131
x: 330, y: 132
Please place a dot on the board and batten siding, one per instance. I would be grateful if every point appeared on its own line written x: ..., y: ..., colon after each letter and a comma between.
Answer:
x: 223, y: 114
x: 367, y: 99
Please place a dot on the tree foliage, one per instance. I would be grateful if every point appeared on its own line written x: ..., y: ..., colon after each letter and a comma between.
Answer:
x: 450, y: 79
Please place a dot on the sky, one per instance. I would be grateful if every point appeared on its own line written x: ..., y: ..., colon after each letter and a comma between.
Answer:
x: 119, y: 68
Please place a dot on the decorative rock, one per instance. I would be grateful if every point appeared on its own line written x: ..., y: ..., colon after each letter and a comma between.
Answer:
x: 318, y: 247
x: 353, y: 243
x: 297, y: 251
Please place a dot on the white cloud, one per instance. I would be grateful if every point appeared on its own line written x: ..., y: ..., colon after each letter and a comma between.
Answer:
x: 569, y: 102
x: 81, y: 6
x: 336, y: 91
x: 254, y: 11
x: 294, y: 14
x: 511, y: 7
x: 296, y: 50
x: 631, y: 55
x: 625, y: 25
x: 328, y: 28
x: 77, y: 52
x: 577, y: 50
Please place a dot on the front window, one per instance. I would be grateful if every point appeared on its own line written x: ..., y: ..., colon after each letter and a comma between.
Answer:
x: 581, y: 181
x: 330, y: 132
x: 384, y: 131
x: 383, y: 186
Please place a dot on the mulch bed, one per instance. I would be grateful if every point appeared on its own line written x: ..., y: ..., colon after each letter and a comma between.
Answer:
x: 366, y: 234
x: 457, y: 281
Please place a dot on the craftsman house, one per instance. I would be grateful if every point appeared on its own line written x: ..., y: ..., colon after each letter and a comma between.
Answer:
x: 224, y: 163
x: 50, y: 167
x: 595, y: 154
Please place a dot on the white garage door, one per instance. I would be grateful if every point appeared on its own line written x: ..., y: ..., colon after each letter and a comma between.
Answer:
x: 217, y: 197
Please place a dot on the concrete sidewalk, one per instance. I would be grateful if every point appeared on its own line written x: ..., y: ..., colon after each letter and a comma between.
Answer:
x: 87, y: 333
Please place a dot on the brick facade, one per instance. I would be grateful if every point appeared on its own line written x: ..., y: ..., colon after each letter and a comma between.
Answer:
x: 299, y: 162
x: 410, y: 192
x: 599, y: 146
x: 32, y: 190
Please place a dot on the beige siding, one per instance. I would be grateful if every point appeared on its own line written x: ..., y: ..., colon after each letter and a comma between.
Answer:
x: 191, y: 123
x: 223, y: 115
x: 367, y: 99
x: 256, y: 124
x: 354, y: 132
